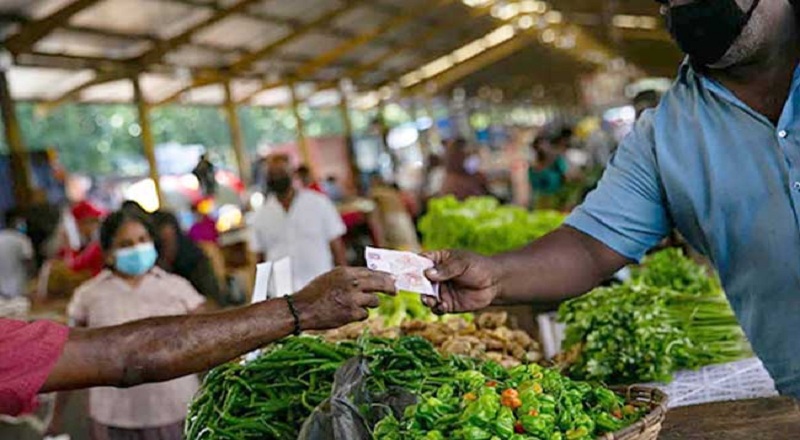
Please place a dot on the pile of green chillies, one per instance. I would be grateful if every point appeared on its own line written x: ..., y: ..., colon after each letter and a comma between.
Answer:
x: 270, y: 397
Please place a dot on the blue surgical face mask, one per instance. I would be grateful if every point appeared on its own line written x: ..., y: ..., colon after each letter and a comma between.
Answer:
x: 136, y: 260
x: 22, y: 227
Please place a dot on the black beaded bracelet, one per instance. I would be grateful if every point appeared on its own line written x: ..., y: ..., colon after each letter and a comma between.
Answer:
x: 295, y: 315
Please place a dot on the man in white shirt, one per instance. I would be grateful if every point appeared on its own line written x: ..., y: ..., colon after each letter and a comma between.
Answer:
x: 299, y: 224
x: 16, y: 257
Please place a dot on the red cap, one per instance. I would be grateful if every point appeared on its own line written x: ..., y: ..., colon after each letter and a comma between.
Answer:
x: 85, y: 210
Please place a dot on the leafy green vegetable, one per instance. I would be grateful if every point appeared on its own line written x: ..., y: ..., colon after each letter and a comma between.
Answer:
x: 645, y: 330
x: 482, y: 225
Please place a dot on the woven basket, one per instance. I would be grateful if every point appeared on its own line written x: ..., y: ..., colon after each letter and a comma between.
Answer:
x: 648, y: 427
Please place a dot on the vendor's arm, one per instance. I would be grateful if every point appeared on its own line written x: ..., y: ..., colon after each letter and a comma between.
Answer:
x: 616, y: 224
x: 160, y: 349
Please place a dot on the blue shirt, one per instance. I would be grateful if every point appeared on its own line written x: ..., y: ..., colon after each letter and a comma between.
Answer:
x: 729, y: 180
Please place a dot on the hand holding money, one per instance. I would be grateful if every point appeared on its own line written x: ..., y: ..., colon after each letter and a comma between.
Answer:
x: 407, y: 267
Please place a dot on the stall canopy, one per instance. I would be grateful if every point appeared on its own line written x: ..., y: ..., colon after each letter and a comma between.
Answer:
x: 194, y: 51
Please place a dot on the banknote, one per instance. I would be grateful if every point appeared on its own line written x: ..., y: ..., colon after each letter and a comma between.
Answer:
x: 407, y: 267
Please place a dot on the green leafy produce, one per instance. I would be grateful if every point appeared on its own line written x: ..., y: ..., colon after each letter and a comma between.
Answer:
x: 526, y: 403
x: 270, y: 397
x: 482, y: 225
x: 403, y: 306
x: 645, y: 330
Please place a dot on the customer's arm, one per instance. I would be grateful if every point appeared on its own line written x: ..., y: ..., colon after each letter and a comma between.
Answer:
x: 160, y: 349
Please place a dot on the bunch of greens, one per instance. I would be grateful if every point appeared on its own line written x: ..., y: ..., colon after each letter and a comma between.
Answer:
x: 645, y: 330
x: 270, y: 397
x: 403, y: 306
x: 527, y: 402
x: 671, y: 269
x: 482, y: 225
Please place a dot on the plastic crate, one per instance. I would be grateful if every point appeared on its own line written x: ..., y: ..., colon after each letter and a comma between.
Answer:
x: 745, y: 379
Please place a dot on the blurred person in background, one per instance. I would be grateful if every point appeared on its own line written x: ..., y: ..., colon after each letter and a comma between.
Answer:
x: 181, y: 256
x: 394, y: 220
x: 333, y: 189
x: 89, y: 257
x: 204, y: 229
x: 307, y: 179
x: 433, y: 178
x: 547, y: 172
x: 462, y: 177
x: 206, y: 175
x: 42, y: 219
x: 17, y: 263
x: 133, y: 207
x: 131, y: 288
x: 297, y: 223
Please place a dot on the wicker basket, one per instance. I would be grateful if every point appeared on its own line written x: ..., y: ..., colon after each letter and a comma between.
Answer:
x: 648, y: 427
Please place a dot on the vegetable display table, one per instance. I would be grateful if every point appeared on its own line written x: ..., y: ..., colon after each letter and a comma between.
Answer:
x: 757, y: 419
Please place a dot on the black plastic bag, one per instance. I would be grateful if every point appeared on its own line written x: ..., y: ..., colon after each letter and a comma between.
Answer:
x: 351, y: 412
x: 338, y: 417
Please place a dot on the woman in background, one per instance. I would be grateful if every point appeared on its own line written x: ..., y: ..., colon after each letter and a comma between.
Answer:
x: 133, y: 288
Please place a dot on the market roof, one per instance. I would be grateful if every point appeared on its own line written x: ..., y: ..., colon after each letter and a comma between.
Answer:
x: 187, y: 50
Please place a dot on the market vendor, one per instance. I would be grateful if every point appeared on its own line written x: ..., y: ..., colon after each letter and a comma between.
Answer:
x: 44, y: 356
x: 718, y: 160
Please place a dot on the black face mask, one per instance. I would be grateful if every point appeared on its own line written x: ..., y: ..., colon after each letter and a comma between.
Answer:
x: 706, y: 29
x: 279, y: 184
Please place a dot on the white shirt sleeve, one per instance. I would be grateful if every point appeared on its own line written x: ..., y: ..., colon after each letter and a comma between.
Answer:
x: 255, y: 239
x: 332, y: 225
x: 26, y: 248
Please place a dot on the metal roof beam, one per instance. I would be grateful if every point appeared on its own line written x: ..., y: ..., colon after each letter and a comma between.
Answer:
x: 251, y: 58
x: 393, y: 23
x: 163, y: 47
x: 35, y: 30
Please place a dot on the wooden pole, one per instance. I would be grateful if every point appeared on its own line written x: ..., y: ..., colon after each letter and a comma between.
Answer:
x: 301, y: 131
x: 236, y: 134
x: 344, y: 107
x: 20, y: 171
x: 148, y: 145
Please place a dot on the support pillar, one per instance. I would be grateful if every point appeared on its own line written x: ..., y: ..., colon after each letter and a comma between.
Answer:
x: 20, y: 166
x: 148, y: 144
x: 236, y: 135
x: 302, y: 144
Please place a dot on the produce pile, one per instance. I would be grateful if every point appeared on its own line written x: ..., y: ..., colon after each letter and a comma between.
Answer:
x: 527, y: 402
x: 482, y: 225
x: 671, y: 316
x: 457, y: 397
x: 487, y: 338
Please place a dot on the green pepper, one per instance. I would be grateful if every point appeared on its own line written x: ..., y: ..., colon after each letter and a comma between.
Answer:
x: 473, y: 380
x: 607, y: 423
x: 445, y: 392
x: 541, y: 425
x: 434, y: 435
x: 483, y: 411
x: 557, y: 436
x: 606, y: 398
x: 387, y: 429
x: 504, y: 424
x: 578, y: 434
x: 473, y: 433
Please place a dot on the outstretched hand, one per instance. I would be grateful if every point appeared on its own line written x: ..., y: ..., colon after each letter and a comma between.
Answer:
x: 467, y: 281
